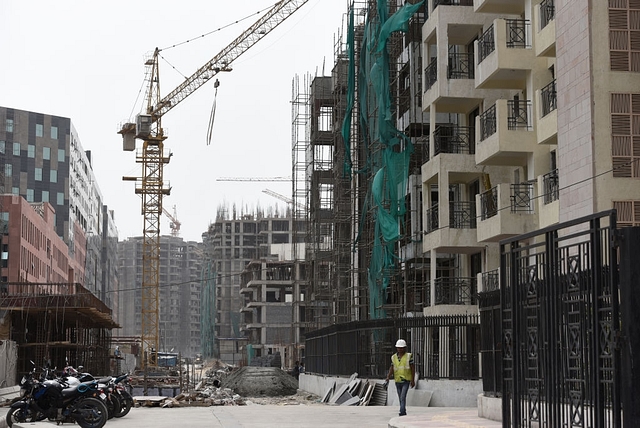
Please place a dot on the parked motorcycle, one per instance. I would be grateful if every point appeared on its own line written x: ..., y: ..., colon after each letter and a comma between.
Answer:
x: 57, y: 401
x: 106, y: 387
x: 122, y: 388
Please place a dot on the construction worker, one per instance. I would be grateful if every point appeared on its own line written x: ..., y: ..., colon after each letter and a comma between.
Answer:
x: 403, y: 372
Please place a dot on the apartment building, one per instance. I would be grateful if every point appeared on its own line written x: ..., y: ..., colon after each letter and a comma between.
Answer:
x: 179, y: 293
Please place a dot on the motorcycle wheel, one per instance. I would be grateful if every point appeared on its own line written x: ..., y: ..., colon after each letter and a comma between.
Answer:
x: 90, y: 413
x: 126, y: 403
x: 18, y: 415
x: 113, y: 406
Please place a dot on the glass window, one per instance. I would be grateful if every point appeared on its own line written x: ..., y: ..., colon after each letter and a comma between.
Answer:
x: 46, y: 153
x: 60, y: 198
x: 45, y: 196
x: 9, y: 125
x: 2, y: 146
x: 8, y: 170
x: 4, y: 216
x: 29, y: 195
x: 31, y: 151
x: 38, y: 174
x: 60, y: 155
x: 15, y: 190
x: 39, y: 130
x: 54, y: 132
x: 16, y: 149
x: 53, y: 176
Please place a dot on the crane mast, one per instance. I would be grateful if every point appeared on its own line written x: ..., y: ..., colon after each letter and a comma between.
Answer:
x: 150, y: 185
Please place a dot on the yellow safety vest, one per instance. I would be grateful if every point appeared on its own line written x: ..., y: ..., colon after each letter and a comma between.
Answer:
x: 401, y: 367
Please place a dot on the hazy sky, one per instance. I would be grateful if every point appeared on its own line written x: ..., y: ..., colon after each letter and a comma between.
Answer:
x: 85, y: 60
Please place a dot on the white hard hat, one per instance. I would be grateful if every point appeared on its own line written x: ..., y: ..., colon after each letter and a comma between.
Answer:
x: 401, y: 344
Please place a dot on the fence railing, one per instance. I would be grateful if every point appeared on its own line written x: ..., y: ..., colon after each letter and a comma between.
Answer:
x: 518, y: 33
x: 454, y: 139
x: 547, y: 12
x: 431, y: 74
x: 462, y: 215
x: 522, y: 198
x: 432, y: 219
x: 455, y: 291
x: 486, y: 44
x: 443, y: 347
x: 437, y: 3
x: 488, y: 123
x: 519, y: 114
x: 549, y: 98
x: 489, y: 203
x: 490, y: 280
x: 461, y: 66
x: 551, y: 186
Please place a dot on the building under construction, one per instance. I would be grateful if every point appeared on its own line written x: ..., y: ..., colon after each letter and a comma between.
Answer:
x: 358, y: 139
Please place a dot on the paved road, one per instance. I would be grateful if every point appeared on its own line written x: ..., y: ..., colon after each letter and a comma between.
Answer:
x: 315, y: 415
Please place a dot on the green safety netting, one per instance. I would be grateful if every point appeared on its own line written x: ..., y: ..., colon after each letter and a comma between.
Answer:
x: 387, y: 151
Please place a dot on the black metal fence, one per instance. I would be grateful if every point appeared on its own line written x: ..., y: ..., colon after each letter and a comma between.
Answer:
x: 443, y: 347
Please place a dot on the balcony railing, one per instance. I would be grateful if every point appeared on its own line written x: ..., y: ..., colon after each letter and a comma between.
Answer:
x: 432, y: 219
x: 456, y: 291
x: 547, y: 12
x: 549, y: 98
x: 488, y: 123
x: 486, y: 44
x: 437, y: 3
x: 431, y: 74
x: 522, y: 198
x: 462, y: 215
x: 490, y: 281
x: 519, y: 112
x: 518, y: 33
x: 461, y: 66
x: 454, y: 139
x: 489, y: 203
x: 551, y: 186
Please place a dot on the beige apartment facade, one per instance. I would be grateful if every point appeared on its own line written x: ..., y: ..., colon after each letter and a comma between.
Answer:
x: 534, y: 110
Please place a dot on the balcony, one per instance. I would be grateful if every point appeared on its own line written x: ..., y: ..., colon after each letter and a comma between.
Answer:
x: 437, y: 3
x: 506, y: 210
x: 431, y: 74
x: 504, y: 55
x: 461, y: 66
x: 451, y: 229
x: 547, y: 116
x: 545, y: 36
x: 454, y: 139
x: 455, y: 291
x: 515, y: 7
x: 548, y: 205
x: 490, y: 281
x: 506, y: 134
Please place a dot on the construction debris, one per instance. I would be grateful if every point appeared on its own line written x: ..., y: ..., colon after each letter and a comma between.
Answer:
x: 357, y: 392
x: 260, y: 382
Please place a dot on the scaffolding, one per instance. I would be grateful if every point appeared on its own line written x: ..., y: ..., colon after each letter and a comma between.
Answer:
x: 55, y: 323
x: 367, y: 139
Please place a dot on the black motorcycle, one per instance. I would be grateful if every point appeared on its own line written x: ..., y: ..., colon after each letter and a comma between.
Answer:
x: 122, y: 391
x: 57, y: 401
x: 106, y: 386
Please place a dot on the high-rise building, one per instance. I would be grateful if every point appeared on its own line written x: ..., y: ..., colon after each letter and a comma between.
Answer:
x: 43, y: 161
x: 179, y: 293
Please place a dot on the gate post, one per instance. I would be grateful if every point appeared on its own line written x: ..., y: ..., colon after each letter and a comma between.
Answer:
x: 630, y: 318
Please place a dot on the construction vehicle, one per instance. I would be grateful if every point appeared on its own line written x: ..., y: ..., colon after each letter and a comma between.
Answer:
x: 148, y: 128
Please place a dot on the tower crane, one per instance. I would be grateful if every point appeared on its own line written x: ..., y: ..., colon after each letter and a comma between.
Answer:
x: 148, y: 128
x: 283, y: 198
x: 175, y: 223
x: 274, y: 179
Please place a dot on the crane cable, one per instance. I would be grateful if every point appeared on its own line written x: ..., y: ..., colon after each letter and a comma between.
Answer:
x: 213, y: 114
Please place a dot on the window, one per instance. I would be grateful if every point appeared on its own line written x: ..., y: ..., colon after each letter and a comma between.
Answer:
x: 8, y: 125
x: 39, y: 130
x: 625, y: 134
x: 8, y: 170
x: 37, y: 175
x: 61, y: 155
x: 628, y: 213
x: 29, y: 195
x: 2, y: 146
x: 54, y: 132
x: 53, y: 176
x: 16, y: 149
x: 45, y: 196
x: 31, y: 151
x: 624, y: 36
x: 60, y: 199
x: 46, y: 153
x: 15, y: 190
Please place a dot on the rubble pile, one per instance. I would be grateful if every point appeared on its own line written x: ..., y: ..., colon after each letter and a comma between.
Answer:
x: 260, y: 382
x: 210, y: 396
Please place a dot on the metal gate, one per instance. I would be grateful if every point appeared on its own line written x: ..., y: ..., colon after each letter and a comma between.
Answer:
x: 561, y: 326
